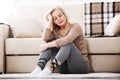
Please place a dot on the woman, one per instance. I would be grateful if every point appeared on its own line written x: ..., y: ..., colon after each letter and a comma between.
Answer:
x: 65, y: 46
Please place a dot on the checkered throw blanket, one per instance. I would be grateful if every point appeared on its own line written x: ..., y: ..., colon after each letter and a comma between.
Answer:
x: 98, y: 15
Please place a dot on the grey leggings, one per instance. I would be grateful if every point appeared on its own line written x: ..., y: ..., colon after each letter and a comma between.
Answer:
x: 70, y: 57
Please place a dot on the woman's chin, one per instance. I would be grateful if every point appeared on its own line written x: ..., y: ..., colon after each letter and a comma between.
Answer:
x: 60, y: 24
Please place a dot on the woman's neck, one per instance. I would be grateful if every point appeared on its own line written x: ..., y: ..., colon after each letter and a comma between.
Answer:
x: 67, y: 25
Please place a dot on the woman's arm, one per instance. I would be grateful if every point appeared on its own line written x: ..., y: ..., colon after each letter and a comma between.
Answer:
x: 47, y: 33
x: 73, y: 34
x: 47, y: 45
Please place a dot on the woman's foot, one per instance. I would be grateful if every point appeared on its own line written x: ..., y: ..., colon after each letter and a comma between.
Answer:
x: 36, y: 71
x: 44, y: 72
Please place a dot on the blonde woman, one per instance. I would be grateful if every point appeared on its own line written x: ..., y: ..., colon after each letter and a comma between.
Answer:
x: 65, y: 46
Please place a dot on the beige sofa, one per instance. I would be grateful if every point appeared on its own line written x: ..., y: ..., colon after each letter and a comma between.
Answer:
x: 3, y: 35
x: 19, y: 49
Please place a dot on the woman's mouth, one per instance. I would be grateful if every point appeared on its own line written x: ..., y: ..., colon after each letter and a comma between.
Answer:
x: 60, y: 22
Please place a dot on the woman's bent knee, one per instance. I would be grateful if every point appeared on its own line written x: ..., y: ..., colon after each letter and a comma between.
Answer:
x: 68, y: 45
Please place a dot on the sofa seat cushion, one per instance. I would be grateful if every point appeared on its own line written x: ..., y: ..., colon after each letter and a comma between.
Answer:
x: 105, y: 63
x: 21, y: 63
x: 18, y: 46
x: 103, y: 45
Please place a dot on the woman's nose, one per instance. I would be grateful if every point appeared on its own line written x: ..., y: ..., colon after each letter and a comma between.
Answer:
x: 59, y: 19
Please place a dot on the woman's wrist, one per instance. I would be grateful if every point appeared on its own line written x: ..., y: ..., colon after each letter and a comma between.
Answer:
x: 51, y: 44
x: 48, y: 25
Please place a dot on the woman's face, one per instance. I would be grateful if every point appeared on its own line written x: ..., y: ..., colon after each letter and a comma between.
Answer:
x: 59, y: 18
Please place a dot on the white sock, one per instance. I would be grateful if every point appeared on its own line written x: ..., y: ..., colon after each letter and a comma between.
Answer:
x: 36, y: 71
x: 45, y: 72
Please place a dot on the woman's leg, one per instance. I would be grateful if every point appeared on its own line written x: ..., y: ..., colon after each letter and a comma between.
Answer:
x: 44, y: 58
x: 75, y: 61
x: 63, y: 68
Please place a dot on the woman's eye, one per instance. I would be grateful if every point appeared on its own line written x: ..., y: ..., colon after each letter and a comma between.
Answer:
x: 55, y: 18
x: 59, y: 15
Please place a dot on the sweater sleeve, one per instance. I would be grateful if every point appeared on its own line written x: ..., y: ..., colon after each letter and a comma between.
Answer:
x: 70, y: 37
x: 47, y: 35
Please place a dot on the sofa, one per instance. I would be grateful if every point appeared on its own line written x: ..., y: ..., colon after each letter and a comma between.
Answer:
x: 21, y: 39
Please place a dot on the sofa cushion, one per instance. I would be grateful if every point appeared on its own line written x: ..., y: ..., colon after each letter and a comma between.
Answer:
x: 21, y: 63
x: 98, y: 15
x: 103, y: 45
x: 105, y: 63
x: 16, y: 46
x: 113, y: 27
x: 25, y: 28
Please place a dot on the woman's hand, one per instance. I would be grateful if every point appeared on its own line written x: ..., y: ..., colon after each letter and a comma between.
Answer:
x: 49, y: 22
x: 50, y: 18
x: 43, y: 47
x: 47, y: 45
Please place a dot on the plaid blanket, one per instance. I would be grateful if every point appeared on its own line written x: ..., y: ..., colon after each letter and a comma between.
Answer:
x: 98, y: 15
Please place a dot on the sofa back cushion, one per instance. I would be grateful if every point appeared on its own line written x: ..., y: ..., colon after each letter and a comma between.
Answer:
x: 25, y: 28
x: 98, y: 16
x: 75, y: 12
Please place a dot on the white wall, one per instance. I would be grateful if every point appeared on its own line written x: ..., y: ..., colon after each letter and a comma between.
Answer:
x: 7, y: 7
x: 59, y: 1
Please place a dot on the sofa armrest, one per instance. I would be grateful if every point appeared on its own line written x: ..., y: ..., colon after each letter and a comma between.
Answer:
x: 4, y: 33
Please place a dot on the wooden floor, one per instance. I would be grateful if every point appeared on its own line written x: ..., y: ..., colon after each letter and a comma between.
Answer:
x: 56, y: 76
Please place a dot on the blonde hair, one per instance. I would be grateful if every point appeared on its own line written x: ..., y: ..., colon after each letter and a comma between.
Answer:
x: 53, y: 26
